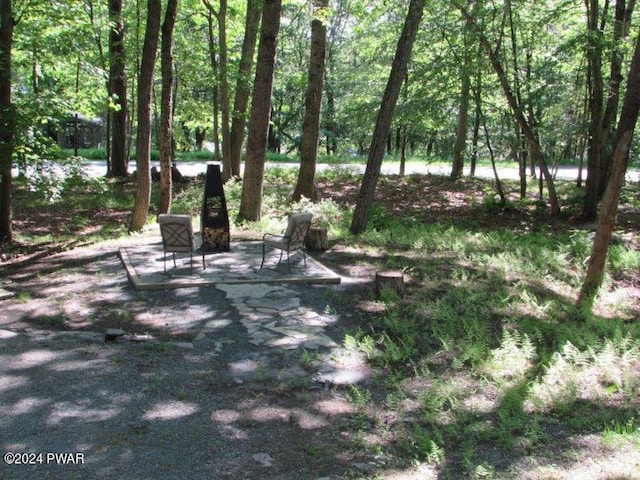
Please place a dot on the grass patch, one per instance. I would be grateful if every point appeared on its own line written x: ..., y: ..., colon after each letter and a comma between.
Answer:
x: 485, y: 361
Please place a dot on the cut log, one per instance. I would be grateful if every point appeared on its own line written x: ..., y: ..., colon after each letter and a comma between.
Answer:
x: 390, y: 280
x: 316, y: 239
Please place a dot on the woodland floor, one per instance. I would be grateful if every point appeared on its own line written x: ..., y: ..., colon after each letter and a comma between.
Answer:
x: 257, y: 441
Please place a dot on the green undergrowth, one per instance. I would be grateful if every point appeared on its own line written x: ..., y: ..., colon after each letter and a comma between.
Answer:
x: 486, y: 359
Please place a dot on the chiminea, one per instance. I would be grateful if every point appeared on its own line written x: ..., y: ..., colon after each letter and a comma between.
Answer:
x: 214, y: 221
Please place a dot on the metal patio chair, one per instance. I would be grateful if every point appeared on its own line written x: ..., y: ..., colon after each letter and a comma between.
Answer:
x: 177, y: 237
x: 291, y: 240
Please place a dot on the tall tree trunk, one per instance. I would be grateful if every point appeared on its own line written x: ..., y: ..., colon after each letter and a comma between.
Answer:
x: 622, y: 22
x: 595, y: 167
x: 143, y: 140
x: 221, y: 16
x: 385, y: 114
x: 119, y: 161
x: 403, y: 150
x: 216, y: 90
x: 534, y: 144
x: 461, y: 128
x: 477, y: 100
x: 338, y: 24
x: 463, y: 109
x: 166, y: 107
x: 103, y: 64
x: 251, y: 197
x: 243, y: 86
x: 306, y: 186
x: 330, y: 125
x: 7, y: 119
x: 609, y: 207
x: 499, y: 189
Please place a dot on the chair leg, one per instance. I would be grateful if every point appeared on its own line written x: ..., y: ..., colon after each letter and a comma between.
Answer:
x: 263, y: 253
x: 164, y: 261
x: 174, y: 260
x: 304, y: 257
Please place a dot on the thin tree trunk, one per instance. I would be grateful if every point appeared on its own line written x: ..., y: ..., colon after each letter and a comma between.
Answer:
x: 477, y: 98
x: 221, y: 16
x: 216, y: 91
x: 622, y: 22
x: 119, y: 160
x: 103, y: 64
x: 251, y: 197
x: 596, y: 109
x: 166, y: 107
x: 385, y: 114
x: 224, y: 90
x: 76, y: 117
x: 7, y: 119
x: 403, y: 150
x: 534, y: 145
x: 463, y: 109
x: 143, y: 140
x: 499, y: 189
x: 306, y: 186
x: 243, y: 86
x: 609, y: 207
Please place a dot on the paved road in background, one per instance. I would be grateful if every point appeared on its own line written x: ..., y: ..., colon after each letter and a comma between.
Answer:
x: 98, y: 168
x: 563, y: 173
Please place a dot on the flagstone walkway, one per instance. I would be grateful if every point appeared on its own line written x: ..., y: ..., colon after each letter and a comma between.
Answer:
x: 274, y: 317
x: 270, y: 312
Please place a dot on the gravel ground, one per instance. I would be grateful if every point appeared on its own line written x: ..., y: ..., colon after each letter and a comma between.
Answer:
x: 185, y: 404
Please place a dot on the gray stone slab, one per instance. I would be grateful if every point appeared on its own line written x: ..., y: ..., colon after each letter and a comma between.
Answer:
x: 241, y: 265
x: 5, y: 294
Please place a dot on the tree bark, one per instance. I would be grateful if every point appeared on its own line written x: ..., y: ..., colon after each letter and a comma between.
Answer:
x: 143, y: 141
x: 609, y: 207
x: 390, y: 280
x: 119, y: 161
x: 243, y: 86
x: 477, y: 99
x: 166, y: 108
x: 216, y: 89
x: 7, y: 119
x: 306, y: 185
x: 463, y: 109
x: 317, y: 239
x: 221, y: 17
x: 595, y: 167
x: 252, y: 185
x: 385, y: 114
x: 534, y: 144
x: 622, y: 22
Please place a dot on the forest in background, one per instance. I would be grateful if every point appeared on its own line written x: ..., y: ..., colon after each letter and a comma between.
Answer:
x: 487, y: 359
x: 468, y: 79
x: 61, y: 68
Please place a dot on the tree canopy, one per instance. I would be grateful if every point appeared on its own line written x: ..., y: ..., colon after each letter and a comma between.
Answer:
x: 544, y: 80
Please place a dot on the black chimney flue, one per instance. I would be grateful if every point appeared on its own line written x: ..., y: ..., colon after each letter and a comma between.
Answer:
x: 215, y: 218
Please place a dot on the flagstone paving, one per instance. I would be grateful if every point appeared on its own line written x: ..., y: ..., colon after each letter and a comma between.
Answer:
x: 270, y: 312
x: 273, y: 317
x: 145, y: 268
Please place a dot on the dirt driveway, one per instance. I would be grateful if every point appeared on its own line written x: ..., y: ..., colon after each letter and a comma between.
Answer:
x: 184, y: 395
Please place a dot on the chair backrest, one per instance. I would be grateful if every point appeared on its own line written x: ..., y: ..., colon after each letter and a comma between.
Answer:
x: 297, y: 227
x: 177, y: 233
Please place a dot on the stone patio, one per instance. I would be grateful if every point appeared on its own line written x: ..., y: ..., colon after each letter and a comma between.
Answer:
x: 241, y: 265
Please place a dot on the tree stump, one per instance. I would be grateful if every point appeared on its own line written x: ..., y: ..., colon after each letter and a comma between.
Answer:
x: 391, y: 280
x: 316, y: 240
